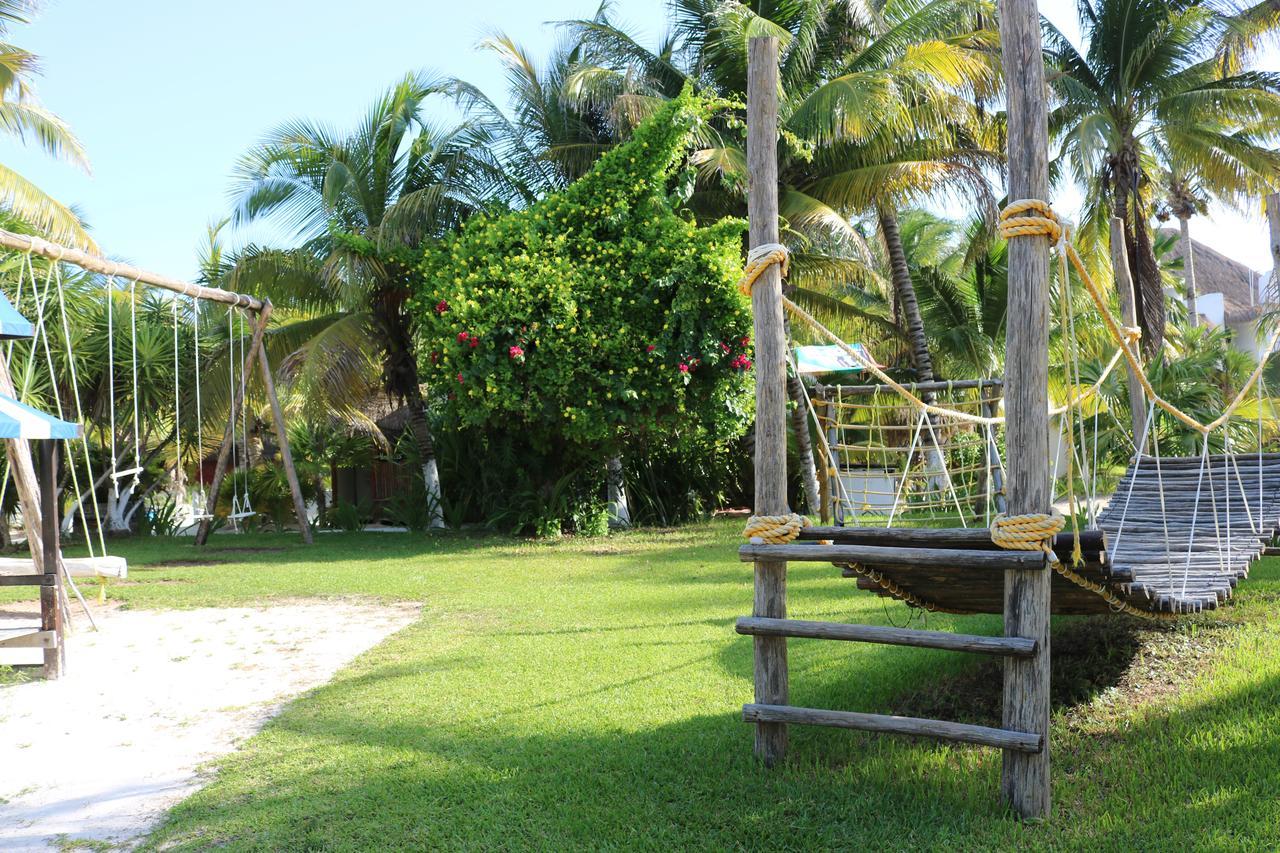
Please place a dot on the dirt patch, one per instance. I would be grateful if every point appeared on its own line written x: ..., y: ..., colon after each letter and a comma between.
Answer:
x: 96, y: 758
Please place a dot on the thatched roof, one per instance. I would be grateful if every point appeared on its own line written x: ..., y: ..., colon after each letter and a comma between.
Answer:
x: 1216, y: 273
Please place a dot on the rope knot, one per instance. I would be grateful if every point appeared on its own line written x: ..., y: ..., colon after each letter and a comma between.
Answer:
x: 1031, y: 217
x: 760, y: 259
x: 774, y: 529
x: 1033, y: 531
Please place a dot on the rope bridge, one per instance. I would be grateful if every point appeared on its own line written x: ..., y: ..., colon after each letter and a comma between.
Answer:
x: 1175, y: 538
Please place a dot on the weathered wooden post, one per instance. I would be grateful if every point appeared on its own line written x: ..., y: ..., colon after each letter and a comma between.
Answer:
x: 1025, y: 777
x: 771, y: 687
x: 1129, y: 311
x: 50, y: 611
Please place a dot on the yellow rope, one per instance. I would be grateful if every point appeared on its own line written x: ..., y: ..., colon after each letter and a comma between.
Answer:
x: 775, y: 529
x: 1030, y: 217
x: 759, y: 260
x: 890, y: 586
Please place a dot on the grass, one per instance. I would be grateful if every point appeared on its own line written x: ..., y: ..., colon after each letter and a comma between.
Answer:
x: 586, y: 694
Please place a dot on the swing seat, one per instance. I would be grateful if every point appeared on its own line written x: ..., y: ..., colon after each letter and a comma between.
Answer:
x: 127, y: 472
x: 77, y: 567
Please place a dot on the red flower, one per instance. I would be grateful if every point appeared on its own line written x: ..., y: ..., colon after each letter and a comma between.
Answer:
x: 724, y: 347
x: 475, y: 342
x: 442, y: 307
x: 746, y: 363
x: 463, y: 336
x: 650, y: 348
x: 516, y: 352
x: 746, y: 340
x: 684, y: 368
x: 460, y: 379
x: 435, y: 357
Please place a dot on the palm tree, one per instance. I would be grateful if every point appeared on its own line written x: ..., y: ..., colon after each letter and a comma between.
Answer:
x: 1161, y: 85
x: 22, y: 116
x: 358, y: 204
x: 877, y: 113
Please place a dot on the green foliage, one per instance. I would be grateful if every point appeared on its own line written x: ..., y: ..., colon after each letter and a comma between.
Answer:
x: 596, y: 314
x: 345, y: 515
x: 159, y: 517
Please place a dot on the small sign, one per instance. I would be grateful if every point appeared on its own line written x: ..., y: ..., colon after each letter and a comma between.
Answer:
x: 831, y: 359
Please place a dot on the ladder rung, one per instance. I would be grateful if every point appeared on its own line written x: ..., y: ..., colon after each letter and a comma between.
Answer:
x: 880, y: 555
x: 763, y: 626
x: 887, y: 724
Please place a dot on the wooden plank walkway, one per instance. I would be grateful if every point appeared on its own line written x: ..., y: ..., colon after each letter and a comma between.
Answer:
x: 1177, y: 536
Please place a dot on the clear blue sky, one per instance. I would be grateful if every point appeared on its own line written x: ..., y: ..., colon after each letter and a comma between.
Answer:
x: 166, y: 95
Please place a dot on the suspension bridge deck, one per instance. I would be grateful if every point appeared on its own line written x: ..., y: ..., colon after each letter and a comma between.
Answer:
x: 1176, y: 537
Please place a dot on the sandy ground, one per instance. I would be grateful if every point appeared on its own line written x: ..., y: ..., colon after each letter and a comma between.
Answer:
x: 101, y: 754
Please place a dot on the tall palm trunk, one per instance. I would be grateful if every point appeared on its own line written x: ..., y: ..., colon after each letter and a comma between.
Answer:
x: 905, y: 294
x: 1148, y: 292
x: 804, y: 447
x: 400, y: 376
x: 1189, y: 269
x: 905, y: 291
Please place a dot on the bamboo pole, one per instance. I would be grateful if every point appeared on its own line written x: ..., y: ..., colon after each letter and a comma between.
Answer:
x: 771, y: 680
x: 237, y: 400
x: 282, y: 438
x: 127, y: 272
x: 1129, y: 311
x: 1025, y: 775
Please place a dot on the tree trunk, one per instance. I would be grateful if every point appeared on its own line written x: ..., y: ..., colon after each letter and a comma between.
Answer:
x: 426, y: 454
x: 1148, y: 291
x: 1189, y: 270
x: 905, y: 293
x: 804, y: 447
x: 619, y: 511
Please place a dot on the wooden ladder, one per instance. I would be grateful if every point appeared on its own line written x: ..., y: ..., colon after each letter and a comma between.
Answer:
x: 1020, y: 647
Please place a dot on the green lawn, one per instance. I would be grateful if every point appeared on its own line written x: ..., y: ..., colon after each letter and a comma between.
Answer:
x: 587, y: 694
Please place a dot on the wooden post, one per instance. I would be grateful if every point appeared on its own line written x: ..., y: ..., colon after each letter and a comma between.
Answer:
x: 1273, y: 221
x: 771, y: 686
x: 50, y: 611
x: 282, y: 438
x: 1025, y: 776
x: 823, y: 410
x: 237, y: 399
x: 1128, y: 311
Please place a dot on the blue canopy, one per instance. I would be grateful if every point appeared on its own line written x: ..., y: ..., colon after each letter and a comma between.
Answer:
x: 18, y: 420
x: 13, y: 326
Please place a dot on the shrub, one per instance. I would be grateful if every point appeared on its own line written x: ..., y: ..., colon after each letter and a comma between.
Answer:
x: 596, y: 316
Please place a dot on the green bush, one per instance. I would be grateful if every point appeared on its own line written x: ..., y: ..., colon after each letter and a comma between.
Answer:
x: 595, y: 316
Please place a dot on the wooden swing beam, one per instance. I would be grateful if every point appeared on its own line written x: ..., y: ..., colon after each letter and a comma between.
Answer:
x: 24, y: 473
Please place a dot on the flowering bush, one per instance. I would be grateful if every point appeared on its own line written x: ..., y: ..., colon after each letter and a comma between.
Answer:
x: 597, y: 314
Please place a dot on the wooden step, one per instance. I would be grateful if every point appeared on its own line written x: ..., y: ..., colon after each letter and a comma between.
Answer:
x: 28, y: 580
x: 761, y: 626
x: 997, y: 560
x: 978, y: 538
x: 888, y: 724
x: 32, y: 640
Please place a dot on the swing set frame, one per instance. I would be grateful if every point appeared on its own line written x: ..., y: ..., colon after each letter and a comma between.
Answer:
x: 258, y: 311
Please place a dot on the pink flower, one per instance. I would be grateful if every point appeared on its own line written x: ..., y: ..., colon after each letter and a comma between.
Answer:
x: 460, y: 379
x: 442, y: 307
x: 684, y: 368
x: 463, y: 336
x: 516, y: 352
x: 724, y: 347
x: 475, y: 342
x: 650, y: 348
